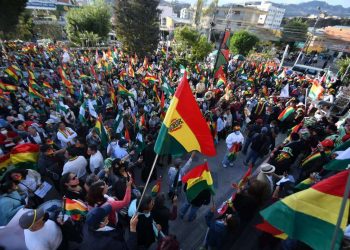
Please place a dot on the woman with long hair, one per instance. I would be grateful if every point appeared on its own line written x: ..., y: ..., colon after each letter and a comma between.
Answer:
x: 97, y: 197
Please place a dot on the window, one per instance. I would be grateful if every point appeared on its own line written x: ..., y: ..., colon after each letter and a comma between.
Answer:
x: 163, y: 22
x: 236, y: 12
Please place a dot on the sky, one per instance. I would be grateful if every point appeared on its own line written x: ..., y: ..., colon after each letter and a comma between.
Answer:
x: 345, y: 3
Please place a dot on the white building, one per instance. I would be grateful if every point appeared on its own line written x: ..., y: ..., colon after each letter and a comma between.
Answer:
x: 273, y: 17
x: 165, y: 11
x: 186, y: 13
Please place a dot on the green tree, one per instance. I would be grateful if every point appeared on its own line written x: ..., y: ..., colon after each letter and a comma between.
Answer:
x: 211, y: 8
x: 190, y: 46
x: 53, y: 31
x: 242, y: 42
x: 91, y: 18
x: 198, y: 13
x: 343, y: 64
x: 294, y: 31
x: 137, y: 25
x: 10, y: 12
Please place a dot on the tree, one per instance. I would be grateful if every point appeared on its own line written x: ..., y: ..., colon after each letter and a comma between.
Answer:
x: 343, y: 64
x: 198, y: 14
x: 137, y: 25
x: 190, y: 46
x: 53, y: 31
x: 242, y: 42
x: 91, y: 18
x: 294, y: 31
x: 211, y: 8
x: 10, y: 12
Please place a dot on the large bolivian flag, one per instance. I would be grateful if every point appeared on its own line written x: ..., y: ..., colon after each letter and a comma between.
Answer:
x: 184, y: 128
x: 311, y: 215
x: 25, y: 155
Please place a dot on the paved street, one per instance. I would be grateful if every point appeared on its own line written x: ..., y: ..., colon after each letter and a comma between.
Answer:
x: 191, y: 235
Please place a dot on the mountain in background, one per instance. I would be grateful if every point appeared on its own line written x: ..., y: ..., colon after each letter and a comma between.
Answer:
x: 309, y: 8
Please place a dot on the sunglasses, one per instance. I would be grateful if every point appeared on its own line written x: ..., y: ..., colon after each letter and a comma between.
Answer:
x: 74, y: 178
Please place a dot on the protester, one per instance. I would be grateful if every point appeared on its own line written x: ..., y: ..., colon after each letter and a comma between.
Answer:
x: 39, y: 231
x: 105, y: 103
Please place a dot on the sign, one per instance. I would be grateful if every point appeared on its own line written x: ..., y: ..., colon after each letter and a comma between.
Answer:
x: 41, y: 4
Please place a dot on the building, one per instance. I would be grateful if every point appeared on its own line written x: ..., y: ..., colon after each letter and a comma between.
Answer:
x: 165, y: 12
x: 186, y: 13
x: 273, y: 17
x: 241, y: 18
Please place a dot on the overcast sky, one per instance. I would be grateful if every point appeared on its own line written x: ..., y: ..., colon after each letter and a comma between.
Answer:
x: 345, y: 3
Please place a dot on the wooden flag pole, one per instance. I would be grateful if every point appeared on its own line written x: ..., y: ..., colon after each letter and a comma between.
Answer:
x: 341, y: 211
x: 148, y: 179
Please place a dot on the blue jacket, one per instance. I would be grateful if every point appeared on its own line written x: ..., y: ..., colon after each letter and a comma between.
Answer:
x: 217, y: 231
x: 9, y: 206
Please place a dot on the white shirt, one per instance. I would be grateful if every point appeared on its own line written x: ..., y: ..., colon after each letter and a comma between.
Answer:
x: 228, y: 119
x: 220, y: 124
x: 64, y: 140
x: 120, y: 153
x: 49, y: 237
x: 96, y: 162
x: 76, y: 166
x: 233, y: 138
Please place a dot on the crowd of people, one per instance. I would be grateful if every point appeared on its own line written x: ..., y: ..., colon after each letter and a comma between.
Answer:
x: 94, y: 116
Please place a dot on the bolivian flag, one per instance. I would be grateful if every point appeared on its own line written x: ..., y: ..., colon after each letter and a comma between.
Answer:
x: 65, y: 80
x: 5, y: 161
x: 221, y: 81
x: 198, y: 180
x: 8, y: 87
x: 11, y: 72
x: 47, y: 85
x: 75, y: 209
x: 34, y: 93
x: 310, y: 216
x: 124, y: 91
x: 267, y: 228
x: 285, y: 113
x: 102, y: 132
x: 25, y: 155
x: 316, y: 90
x: 184, y: 128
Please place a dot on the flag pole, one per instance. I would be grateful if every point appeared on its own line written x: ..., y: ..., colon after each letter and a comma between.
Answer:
x: 342, y: 209
x: 148, y: 179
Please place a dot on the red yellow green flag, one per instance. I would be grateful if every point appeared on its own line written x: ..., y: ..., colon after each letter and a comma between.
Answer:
x: 34, y: 93
x: 310, y: 215
x: 184, y: 128
x: 285, y: 113
x: 75, y: 209
x: 197, y: 180
x: 65, y: 80
x: 102, y: 132
x: 47, y: 85
x: 268, y: 228
x: 25, y: 155
x: 223, y: 53
x: 156, y: 188
x: 124, y: 91
x: 316, y: 90
x: 5, y: 161
x: 11, y: 72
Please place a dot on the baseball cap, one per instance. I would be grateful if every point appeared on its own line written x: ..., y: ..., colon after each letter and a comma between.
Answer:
x: 28, y: 219
x: 97, y: 215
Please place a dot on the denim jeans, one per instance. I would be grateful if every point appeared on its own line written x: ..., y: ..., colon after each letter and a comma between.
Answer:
x: 247, y: 142
x: 253, y: 155
x: 226, y: 161
x: 184, y: 209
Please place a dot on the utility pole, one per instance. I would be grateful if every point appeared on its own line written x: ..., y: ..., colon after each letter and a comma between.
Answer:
x: 212, y: 22
x: 309, y: 40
